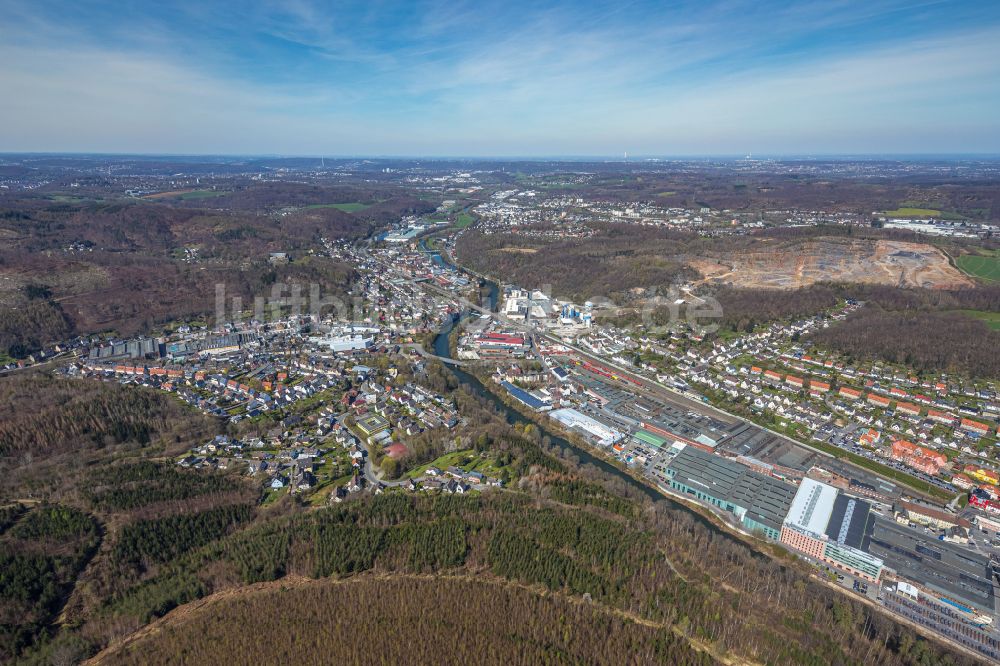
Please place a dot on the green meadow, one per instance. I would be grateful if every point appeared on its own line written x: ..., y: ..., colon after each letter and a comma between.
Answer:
x: 983, y: 267
x: 912, y: 212
x: 352, y: 207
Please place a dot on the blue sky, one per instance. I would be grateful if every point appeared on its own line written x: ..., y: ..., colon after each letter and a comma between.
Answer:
x: 304, y: 77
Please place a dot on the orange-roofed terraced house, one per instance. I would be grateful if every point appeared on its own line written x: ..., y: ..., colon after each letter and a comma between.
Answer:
x: 849, y: 393
x: 975, y: 426
x: 877, y: 400
x: 940, y: 417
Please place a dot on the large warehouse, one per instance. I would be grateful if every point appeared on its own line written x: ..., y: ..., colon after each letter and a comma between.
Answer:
x: 760, y: 502
x: 589, y: 427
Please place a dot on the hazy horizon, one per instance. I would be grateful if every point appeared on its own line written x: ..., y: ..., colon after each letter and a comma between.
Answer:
x: 735, y: 157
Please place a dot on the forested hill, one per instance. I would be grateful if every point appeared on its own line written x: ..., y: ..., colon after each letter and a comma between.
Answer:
x: 78, y: 266
x: 693, y: 592
x: 121, y: 539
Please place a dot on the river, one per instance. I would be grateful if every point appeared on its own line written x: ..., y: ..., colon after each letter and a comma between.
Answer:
x: 443, y: 348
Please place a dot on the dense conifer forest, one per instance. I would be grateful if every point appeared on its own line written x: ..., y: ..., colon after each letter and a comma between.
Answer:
x: 487, y: 622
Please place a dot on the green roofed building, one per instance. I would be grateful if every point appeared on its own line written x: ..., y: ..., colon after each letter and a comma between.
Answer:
x: 372, y: 424
x: 648, y: 438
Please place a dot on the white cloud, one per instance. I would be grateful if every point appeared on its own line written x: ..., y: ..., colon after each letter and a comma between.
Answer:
x: 540, y: 91
x: 91, y: 100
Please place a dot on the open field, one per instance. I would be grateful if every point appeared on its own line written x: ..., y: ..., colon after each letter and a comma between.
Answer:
x: 186, y: 195
x: 463, y: 220
x: 352, y: 207
x: 467, y: 459
x: 912, y: 212
x: 992, y: 319
x: 983, y: 267
x: 520, y: 250
x: 887, y: 262
x: 203, y: 194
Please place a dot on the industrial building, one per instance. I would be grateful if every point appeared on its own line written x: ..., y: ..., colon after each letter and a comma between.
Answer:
x: 346, y: 343
x: 225, y: 344
x: 136, y: 348
x: 759, y: 502
x: 526, y: 398
x: 589, y: 427
x: 831, y: 528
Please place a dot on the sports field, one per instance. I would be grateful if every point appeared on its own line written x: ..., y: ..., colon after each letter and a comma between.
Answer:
x: 983, y: 267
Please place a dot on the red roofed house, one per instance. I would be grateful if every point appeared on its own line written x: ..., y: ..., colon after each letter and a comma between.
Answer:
x: 818, y: 387
x: 849, y: 393
x: 792, y: 380
x: 898, y: 393
x: 869, y: 438
x: 771, y: 374
x: 877, y: 400
x: 940, y: 417
x: 975, y: 426
x: 908, y: 408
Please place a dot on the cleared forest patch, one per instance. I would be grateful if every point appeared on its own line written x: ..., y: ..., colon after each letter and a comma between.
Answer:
x: 421, y: 619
